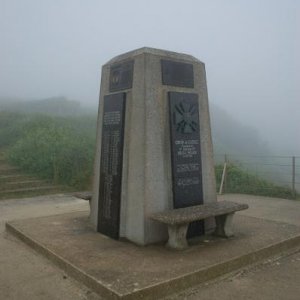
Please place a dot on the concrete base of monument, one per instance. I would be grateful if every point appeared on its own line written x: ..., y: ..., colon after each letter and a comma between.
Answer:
x: 122, y: 270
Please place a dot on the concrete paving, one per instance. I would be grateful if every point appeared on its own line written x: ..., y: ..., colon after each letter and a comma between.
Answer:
x: 275, y: 279
x: 26, y: 275
x: 274, y: 209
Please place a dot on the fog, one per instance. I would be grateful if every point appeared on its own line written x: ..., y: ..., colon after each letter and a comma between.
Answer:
x: 250, y: 48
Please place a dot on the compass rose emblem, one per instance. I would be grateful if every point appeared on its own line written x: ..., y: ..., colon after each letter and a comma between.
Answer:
x: 185, y: 117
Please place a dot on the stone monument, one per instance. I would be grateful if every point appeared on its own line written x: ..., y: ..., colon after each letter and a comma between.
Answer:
x: 154, y: 148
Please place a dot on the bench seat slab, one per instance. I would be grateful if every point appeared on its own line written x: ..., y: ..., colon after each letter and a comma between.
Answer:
x: 198, y: 212
x: 179, y: 219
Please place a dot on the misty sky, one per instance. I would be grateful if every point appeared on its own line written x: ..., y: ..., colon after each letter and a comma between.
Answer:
x: 251, y: 50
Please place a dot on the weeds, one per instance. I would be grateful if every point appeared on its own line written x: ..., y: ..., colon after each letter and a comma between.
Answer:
x: 242, y: 182
x: 58, y: 149
x: 61, y: 149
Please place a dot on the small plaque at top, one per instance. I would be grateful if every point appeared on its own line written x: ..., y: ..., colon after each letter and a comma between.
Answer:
x: 121, y: 76
x: 177, y: 73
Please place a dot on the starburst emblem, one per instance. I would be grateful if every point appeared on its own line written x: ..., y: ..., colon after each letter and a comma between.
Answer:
x: 115, y: 77
x: 185, y: 117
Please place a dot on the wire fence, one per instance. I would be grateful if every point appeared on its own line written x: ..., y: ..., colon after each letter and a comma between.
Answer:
x: 262, y: 172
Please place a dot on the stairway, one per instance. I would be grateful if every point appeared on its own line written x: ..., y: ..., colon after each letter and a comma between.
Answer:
x: 14, y: 183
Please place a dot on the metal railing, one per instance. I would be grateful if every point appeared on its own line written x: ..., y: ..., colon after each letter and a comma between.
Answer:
x: 280, y: 171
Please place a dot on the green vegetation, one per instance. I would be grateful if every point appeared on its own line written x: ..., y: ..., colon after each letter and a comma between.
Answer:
x: 11, y: 127
x: 242, y: 182
x: 55, y: 106
x: 57, y: 143
x: 60, y: 149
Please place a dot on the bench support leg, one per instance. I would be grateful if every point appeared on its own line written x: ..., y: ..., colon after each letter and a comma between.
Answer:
x: 177, y: 236
x: 224, y: 225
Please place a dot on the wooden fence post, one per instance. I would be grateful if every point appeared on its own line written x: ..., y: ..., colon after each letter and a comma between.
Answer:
x: 223, y: 179
x: 225, y: 174
x: 293, y: 176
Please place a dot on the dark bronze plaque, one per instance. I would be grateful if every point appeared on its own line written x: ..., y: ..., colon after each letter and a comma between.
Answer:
x: 186, y: 153
x: 120, y: 77
x: 111, y: 165
x: 177, y: 73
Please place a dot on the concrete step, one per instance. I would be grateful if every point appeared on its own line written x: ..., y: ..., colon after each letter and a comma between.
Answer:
x: 13, y: 177
x: 18, y: 184
x: 2, y: 157
x: 14, y: 183
x: 45, y: 187
x: 6, y: 165
x: 8, y: 170
x: 30, y: 192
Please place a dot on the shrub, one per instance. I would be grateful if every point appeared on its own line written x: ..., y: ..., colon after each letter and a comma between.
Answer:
x: 53, y: 149
x: 11, y: 127
x: 240, y: 181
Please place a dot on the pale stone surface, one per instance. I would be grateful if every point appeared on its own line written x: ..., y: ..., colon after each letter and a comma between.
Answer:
x: 198, y: 212
x: 177, y: 236
x: 147, y: 177
x: 179, y: 219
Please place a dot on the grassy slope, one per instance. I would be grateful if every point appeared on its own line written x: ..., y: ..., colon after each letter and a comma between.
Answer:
x: 61, y: 149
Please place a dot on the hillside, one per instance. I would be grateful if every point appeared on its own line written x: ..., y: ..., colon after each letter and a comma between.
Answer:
x: 229, y: 135
x: 46, y: 137
x: 54, y: 106
x: 232, y: 137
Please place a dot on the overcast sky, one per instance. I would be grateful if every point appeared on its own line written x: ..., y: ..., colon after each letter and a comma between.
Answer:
x: 251, y: 50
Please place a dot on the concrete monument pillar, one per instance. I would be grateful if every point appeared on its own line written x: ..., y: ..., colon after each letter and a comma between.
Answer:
x: 154, y: 148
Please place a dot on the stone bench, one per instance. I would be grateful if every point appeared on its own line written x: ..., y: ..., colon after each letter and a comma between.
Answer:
x: 83, y: 195
x: 179, y: 219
